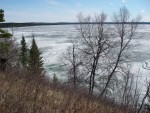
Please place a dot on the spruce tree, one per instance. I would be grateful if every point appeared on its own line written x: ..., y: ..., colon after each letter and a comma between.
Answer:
x: 36, y: 63
x: 3, y: 33
x: 2, y: 15
x: 55, y: 79
x: 4, y: 44
x: 24, y: 52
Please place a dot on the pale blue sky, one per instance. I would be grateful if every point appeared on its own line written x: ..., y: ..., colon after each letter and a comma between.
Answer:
x: 67, y: 10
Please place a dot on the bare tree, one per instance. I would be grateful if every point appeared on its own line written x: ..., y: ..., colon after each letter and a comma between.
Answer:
x: 144, y: 98
x: 148, y: 104
x: 130, y: 89
x: 103, y: 49
x: 9, y: 53
x: 72, y: 61
x: 93, y: 35
x: 125, y: 29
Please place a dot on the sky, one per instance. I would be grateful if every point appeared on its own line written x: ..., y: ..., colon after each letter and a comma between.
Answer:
x: 67, y: 10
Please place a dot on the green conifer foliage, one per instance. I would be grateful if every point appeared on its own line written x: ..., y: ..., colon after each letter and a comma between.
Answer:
x: 2, y: 15
x: 4, y: 44
x: 55, y: 79
x: 36, y: 63
x: 3, y: 33
x: 24, y: 53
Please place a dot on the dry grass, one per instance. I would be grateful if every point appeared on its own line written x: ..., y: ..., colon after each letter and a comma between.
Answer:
x: 19, y: 95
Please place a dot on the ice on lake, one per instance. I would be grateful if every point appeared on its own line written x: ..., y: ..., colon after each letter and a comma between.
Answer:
x: 54, y: 40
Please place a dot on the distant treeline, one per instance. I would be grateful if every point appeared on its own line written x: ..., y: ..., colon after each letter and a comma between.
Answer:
x: 5, y: 25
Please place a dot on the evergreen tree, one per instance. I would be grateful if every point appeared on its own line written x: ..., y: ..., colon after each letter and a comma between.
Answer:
x: 4, y: 44
x: 55, y: 79
x: 3, y: 33
x: 24, y: 52
x: 2, y: 15
x: 36, y: 63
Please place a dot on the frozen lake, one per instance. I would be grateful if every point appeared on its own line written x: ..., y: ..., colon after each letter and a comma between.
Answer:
x: 53, y: 41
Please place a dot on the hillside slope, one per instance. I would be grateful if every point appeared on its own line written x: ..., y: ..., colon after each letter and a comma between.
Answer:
x: 21, y: 95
